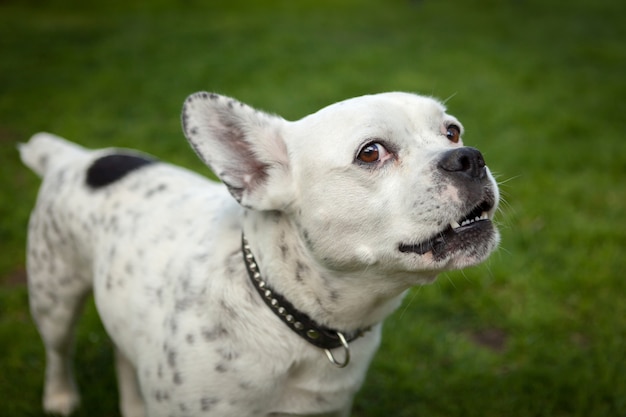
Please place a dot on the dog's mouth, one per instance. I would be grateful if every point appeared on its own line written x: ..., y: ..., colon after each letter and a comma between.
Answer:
x: 469, y: 230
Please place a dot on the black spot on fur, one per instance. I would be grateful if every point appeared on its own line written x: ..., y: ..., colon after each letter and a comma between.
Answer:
x: 171, y: 358
x: 206, y: 403
x: 43, y: 160
x: 301, y: 270
x: 213, y: 334
x: 245, y: 385
x: 158, y: 189
x: 110, y: 168
x: 227, y: 354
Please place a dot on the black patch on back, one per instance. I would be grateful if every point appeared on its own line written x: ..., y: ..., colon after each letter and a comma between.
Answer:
x: 111, y: 168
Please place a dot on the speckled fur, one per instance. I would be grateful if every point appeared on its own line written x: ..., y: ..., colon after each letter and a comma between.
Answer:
x: 160, y: 249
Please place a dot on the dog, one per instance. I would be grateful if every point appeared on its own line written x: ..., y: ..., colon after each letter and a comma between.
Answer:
x: 263, y: 295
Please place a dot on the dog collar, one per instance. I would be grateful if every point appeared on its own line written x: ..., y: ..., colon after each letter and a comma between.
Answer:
x: 299, y: 322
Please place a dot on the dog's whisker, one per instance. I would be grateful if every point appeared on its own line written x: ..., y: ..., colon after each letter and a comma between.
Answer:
x: 507, y: 180
x: 450, y: 97
x: 406, y: 304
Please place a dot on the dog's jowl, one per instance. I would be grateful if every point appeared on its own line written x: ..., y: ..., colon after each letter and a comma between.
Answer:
x: 264, y: 295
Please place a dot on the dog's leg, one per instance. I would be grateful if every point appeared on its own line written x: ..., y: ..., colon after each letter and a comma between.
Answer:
x: 55, y: 315
x: 57, y: 289
x: 131, y: 400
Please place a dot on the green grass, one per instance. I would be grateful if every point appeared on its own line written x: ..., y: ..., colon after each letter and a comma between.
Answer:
x: 539, y: 330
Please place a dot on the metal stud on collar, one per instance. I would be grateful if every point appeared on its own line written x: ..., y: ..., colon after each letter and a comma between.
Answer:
x: 267, y: 293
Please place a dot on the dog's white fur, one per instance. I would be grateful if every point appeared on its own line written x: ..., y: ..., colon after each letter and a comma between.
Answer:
x: 160, y: 247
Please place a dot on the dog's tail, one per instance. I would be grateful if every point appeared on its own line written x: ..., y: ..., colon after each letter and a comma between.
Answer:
x: 44, y: 150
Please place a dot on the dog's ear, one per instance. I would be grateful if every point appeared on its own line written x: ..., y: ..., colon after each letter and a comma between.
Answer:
x: 243, y: 146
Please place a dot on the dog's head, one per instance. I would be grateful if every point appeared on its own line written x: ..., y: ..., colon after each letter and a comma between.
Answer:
x: 380, y: 182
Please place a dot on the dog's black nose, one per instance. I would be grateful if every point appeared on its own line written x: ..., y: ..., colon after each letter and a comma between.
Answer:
x: 466, y: 161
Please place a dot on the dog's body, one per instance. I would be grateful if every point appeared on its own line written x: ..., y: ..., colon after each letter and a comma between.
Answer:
x: 343, y: 211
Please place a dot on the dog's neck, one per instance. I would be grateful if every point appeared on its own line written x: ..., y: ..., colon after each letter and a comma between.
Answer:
x: 341, y: 300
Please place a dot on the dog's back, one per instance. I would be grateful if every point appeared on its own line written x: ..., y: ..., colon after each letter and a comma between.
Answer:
x: 45, y: 150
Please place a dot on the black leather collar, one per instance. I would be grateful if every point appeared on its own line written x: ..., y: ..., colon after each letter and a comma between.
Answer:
x: 299, y: 322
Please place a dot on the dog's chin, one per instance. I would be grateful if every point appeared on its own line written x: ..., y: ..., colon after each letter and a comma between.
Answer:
x: 463, y: 243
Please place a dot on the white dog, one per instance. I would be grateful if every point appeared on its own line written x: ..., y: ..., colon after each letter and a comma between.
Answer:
x: 268, y: 304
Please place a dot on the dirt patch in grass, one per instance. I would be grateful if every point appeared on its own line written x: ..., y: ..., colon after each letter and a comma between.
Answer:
x: 16, y: 278
x: 492, y: 339
x: 8, y: 135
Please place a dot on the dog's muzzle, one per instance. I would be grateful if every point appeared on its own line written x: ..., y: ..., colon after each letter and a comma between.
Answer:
x: 465, y: 168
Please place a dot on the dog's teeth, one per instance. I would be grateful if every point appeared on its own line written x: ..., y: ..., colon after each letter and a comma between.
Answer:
x: 483, y: 216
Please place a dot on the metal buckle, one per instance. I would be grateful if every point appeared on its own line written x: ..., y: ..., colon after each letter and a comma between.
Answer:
x: 346, y: 349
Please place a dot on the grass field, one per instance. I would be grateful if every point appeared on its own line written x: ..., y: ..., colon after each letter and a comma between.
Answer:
x: 540, y: 85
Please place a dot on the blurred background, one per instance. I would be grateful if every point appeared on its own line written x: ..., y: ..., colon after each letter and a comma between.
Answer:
x: 540, y: 86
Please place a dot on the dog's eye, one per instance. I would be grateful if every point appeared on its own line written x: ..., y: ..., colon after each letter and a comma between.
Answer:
x: 372, y: 153
x: 453, y: 133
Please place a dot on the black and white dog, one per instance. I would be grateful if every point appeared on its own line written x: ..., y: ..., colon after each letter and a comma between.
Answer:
x: 269, y: 303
